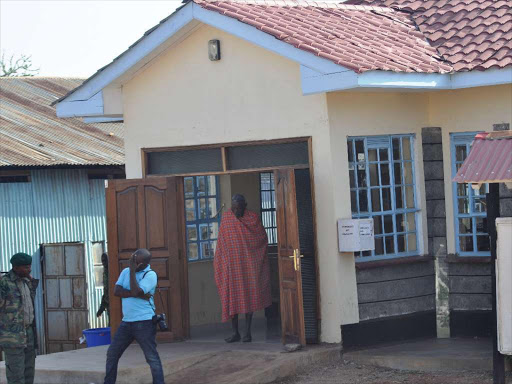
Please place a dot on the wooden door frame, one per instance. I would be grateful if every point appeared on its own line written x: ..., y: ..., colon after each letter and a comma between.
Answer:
x: 309, y: 140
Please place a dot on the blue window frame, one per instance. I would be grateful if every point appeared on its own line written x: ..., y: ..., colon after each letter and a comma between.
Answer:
x: 201, y: 214
x: 469, y: 205
x: 382, y: 187
x: 268, y: 206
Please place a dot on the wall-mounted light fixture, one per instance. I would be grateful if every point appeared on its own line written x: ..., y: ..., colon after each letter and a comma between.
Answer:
x: 214, y: 50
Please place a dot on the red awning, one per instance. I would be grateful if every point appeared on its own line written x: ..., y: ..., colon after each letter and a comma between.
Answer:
x: 490, y: 160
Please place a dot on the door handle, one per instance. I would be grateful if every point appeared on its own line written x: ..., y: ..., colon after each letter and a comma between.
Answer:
x: 296, y: 259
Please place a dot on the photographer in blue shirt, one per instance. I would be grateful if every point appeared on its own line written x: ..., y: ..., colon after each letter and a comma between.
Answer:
x: 136, y: 286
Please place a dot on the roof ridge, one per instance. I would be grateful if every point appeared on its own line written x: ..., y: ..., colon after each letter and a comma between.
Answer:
x: 329, y: 4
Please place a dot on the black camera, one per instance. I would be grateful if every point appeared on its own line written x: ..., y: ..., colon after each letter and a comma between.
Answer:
x: 160, y: 320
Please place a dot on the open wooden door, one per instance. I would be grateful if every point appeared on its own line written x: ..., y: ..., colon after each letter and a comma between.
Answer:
x: 288, y: 249
x: 149, y: 213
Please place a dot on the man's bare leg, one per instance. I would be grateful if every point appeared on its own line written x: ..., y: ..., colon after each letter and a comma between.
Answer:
x: 248, y: 321
x: 236, y: 335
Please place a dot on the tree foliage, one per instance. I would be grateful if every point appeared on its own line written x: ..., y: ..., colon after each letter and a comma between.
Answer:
x: 17, y: 66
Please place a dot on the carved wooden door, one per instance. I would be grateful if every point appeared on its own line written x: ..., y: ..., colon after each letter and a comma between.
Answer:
x: 149, y: 213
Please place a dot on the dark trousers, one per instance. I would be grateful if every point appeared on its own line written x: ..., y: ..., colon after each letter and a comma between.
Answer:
x: 20, y: 362
x: 144, y: 332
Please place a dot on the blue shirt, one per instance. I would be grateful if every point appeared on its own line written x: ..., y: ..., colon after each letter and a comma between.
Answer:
x: 134, y: 308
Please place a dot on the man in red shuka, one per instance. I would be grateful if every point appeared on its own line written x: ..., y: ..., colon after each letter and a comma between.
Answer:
x: 241, y: 266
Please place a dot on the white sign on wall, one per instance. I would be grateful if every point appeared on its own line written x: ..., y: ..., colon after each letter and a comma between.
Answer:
x: 504, y: 284
x: 355, y: 235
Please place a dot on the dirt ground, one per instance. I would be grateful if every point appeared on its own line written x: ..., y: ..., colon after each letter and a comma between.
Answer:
x: 349, y: 373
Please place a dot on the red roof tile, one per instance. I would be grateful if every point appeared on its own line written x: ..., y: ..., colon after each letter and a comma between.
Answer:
x: 360, y: 38
x: 490, y: 159
x: 461, y: 25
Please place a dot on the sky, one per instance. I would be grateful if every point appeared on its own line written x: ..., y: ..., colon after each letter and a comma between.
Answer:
x: 74, y: 38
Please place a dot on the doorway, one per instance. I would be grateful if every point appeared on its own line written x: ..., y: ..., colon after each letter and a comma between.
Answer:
x: 175, y: 212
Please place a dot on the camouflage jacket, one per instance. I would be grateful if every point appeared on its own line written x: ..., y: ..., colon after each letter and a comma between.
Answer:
x: 12, y: 329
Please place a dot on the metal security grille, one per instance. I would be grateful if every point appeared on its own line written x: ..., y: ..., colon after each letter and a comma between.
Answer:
x: 182, y: 162
x: 470, y: 210
x: 268, y: 206
x: 269, y: 155
x: 382, y: 187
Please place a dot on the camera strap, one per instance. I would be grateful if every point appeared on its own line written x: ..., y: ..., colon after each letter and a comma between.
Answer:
x: 157, y: 288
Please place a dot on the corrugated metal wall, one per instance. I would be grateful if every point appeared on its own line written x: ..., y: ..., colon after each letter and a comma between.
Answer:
x: 57, y: 206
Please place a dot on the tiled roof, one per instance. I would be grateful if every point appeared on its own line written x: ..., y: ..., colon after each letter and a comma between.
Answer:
x: 489, y: 161
x: 32, y: 135
x: 469, y: 34
x: 360, y: 38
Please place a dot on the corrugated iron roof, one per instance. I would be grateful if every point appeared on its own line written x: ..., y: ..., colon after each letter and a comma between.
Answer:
x: 490, y: 160
x: 31, y: 134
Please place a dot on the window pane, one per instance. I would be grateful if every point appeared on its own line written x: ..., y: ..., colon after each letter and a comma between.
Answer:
x: 396, y: 149
x: 374, y: 175
x: 206, y: 250
x: 352, y: 178
x: 466, y: 243
x: 411, y: 222
x: 398, y: 173
x: 386, y: 199
x: 379, y: 246
x: 462, y: 189
x: 372, y: 154
x: 360, y: 150
x: 390, y: 244
x: 388, y: 224
x: 201, y: 185
x: 463, y: 205
x: 377, y: 225
x: 212, y: 186
x: 98, y: 276
x: 466, y: 225
x: 361, y: 178
x: 411, y: 242
x: 192, y: 251
x: 212, y: 207
x: 401, y: 243
x: 460, y: 153
x: 407, y: 167
x: 481, y: 224
x: 409, y: 197
x: 383, y: 153
x: 376, y: 200
x: 202, y: 209
x: 479, y: 204
x: 265, y: 181
x: 406, y: 148
x: 203, y: 231
x: 363, y: 201
x: 350, y: 151
x: 214, y: 230
x: 191, y: 233
x: 266, y: 199
x: 483, y: 190
x: 190, y: 206
x: 483, y: 244
x: 398, y: 198
x: 189, y: 186
x: 353, y: 201
x: 400, y: 223
x: 384, y: 174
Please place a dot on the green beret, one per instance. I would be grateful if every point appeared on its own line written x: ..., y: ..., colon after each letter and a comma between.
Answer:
x: 21, y: 259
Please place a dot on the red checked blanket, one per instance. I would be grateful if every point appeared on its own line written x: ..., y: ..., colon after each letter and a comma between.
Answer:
x: 241, y: 265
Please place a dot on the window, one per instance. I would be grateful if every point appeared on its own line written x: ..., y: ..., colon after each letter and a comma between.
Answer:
x: 268, y: 206
x: 97, y: 251
x: 202, y: 216
x: 381, y: 171
x: 15, y: 177
x: 471, y: 238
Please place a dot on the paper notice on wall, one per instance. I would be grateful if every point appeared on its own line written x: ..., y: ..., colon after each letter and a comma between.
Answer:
x: 355, y: 235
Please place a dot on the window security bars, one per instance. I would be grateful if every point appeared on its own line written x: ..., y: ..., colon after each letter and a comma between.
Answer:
x: 382, y: 187
x: 201, y: 214
x: 469, y: 205
x: 268, y: 206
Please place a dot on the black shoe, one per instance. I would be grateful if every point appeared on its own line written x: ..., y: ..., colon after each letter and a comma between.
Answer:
x: 233, y: 338
x: 247, y: 339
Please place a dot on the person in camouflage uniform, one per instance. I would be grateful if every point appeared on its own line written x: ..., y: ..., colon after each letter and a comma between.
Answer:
x: 17, y: 320
x: 104, y: 306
